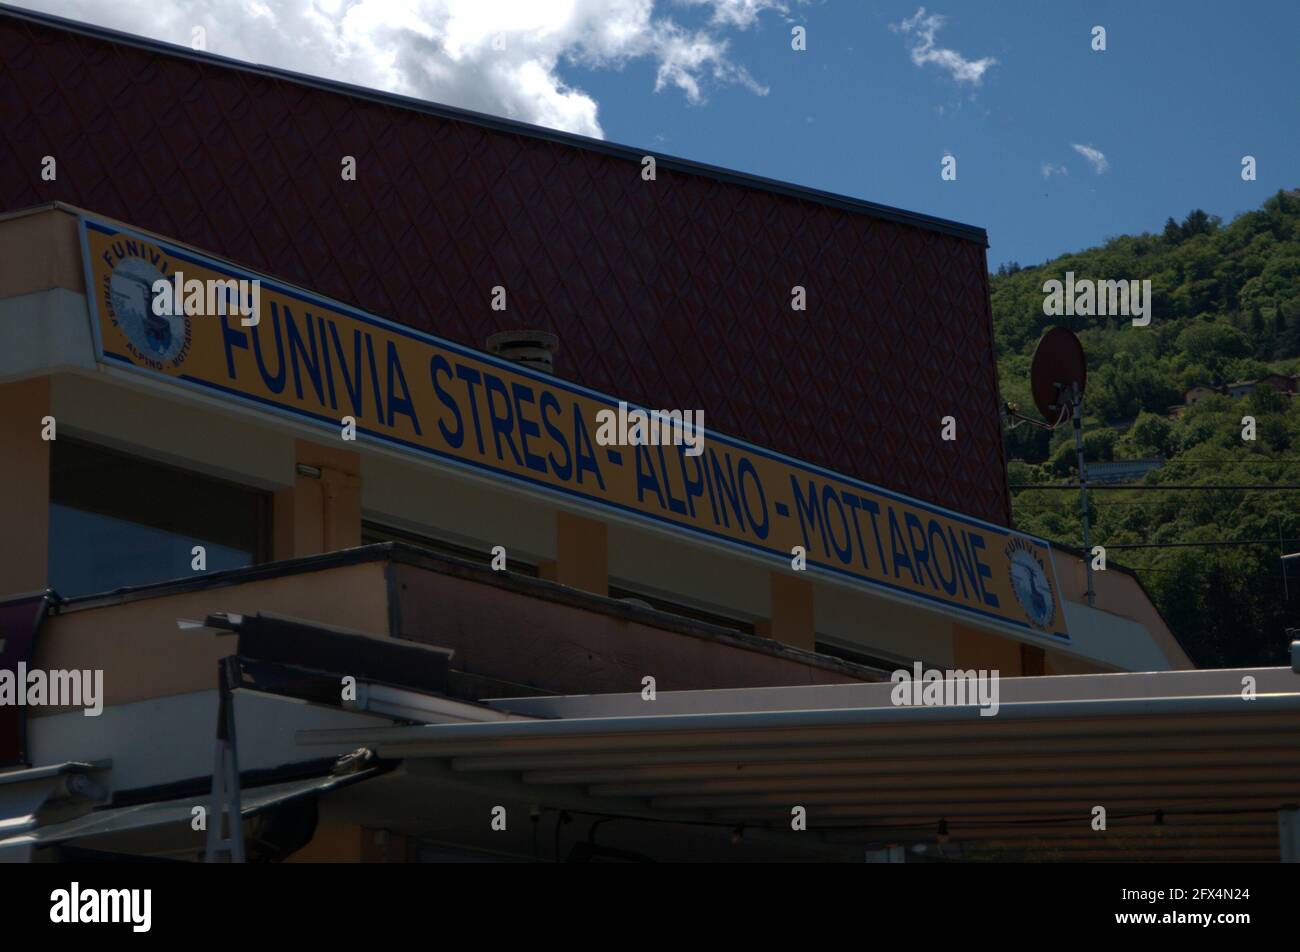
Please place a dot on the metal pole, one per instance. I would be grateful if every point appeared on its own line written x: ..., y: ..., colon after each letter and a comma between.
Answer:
x: 1281, y: 551
x: 1288, y: 829
x: 226, y: 815
x: 1076, y: 398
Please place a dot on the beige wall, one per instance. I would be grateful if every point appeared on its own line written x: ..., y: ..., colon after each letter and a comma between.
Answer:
x: 399, y: 491
x: 143, y: 654
x: 698, y: 577
x: 320, y: 513
x: 581, y: 553
x: 40, y: 251
x: 1118, y: 593
x: 1057, y: 662
x: 973, y: 648
x: 176, y: 429
x: 791, y: 619
x: 885, y: 628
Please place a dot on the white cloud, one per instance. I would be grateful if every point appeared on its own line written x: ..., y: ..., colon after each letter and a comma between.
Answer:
x: 684, y: 57
x: 1094, y: 156
x: 442, y: 50
x: 1049, y: 170
x: 923, y: 27
x: 741, y: 13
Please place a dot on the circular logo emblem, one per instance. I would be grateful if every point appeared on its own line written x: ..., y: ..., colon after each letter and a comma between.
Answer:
x: 1030, y: 584
x: 158, y: 340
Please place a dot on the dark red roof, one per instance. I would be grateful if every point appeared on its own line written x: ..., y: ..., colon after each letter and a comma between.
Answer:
x: 670, y: 294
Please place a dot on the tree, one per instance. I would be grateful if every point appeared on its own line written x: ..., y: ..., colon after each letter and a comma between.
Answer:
x: 1291, y: 337
x: 1199, y: 223
x: 1150, y: 434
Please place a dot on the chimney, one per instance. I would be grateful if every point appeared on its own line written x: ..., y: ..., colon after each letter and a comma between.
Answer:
x: 532, y: 348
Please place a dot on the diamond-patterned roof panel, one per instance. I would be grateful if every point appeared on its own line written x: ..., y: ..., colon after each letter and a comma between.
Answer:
x: 674, y: 293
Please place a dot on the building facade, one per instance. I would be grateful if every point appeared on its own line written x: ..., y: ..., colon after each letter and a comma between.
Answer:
x: 347, y: 472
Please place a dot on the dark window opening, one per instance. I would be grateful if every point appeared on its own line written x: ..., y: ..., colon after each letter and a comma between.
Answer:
x: 864, y: 658
x: 118, y: 520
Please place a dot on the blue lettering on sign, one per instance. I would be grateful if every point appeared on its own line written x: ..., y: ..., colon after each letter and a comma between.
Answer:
x: 935, y: 531
x: 329, y: 369
x: 728, y: 488
x: 230, y: 339
x: 753, y: 498
x: 472, y: 380
x: 548, y: 401
x: 809, y: 506
x: 942, y: 559
x: 351, y: 381
x: 455, y: 438
x: 586, y: 459
x: 374, y: 377
x: 306, y: 349
x: 829, y: 496
x: 674, y: 504
x: 503, y: 424
x: 898, y: 546
x: 527, y: 427
x: 645, y: 477
x: 694, y: 488
x: 920, y: 550
x: 854, y: 503
x: 274, y: 381
x: 298, y: 349
x: 399, y: 403
x: 977, y: 543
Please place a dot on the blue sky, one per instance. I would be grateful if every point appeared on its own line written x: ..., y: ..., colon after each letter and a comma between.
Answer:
x: 1182, y: 92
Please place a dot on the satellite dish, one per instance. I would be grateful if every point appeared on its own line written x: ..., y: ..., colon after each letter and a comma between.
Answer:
x: 1058, y: 364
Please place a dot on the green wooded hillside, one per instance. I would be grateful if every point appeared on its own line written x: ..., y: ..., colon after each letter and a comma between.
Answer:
x: 1226, y: 308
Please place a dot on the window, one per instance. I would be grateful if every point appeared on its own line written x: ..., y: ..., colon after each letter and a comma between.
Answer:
x: 857, y: 656
x: 119, y: 520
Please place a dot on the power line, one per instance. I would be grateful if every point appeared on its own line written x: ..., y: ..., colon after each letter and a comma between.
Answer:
x: 1236, y: 459
x: 1099, y: 504
x: 1252, y: 458
x: 1176, y: 545
x: 1235, y: 487
x: 1159, y: 570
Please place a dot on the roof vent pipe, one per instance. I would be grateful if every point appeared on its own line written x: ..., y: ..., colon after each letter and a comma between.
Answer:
x: 534, y: 349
